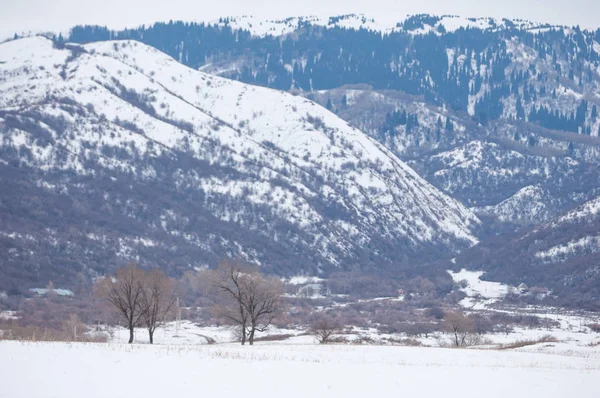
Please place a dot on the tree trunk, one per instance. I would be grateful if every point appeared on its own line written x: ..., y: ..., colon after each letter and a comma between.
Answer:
x: 130, y: 334
x: 151, y: 334
x: 243, y: 335
x: 251, y: 336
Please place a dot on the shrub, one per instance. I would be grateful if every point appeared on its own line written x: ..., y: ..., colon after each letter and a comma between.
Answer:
x: 595, y: 327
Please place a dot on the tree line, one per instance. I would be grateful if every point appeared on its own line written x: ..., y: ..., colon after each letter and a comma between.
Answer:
x: 250, y: 300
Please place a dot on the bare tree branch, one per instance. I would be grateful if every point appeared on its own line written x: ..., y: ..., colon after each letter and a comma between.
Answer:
x: 324, y: 329
x: 124, y: 293
x: 254, y: 300
x: 157, y: 300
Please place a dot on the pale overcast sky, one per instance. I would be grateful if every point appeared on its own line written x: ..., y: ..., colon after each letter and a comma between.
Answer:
x: 26, y: 15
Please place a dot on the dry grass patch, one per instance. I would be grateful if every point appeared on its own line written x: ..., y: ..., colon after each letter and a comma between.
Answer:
x: 274, y: 337
x: 524, y: 343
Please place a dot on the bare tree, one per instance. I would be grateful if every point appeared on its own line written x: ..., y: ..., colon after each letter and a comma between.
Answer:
x: 252, y: 301
x: 459, y: 326
x: 158, y: 299
x: 124, y: 293
x: 227, y: 280
x: 324, y: 329
x: 262, y: 302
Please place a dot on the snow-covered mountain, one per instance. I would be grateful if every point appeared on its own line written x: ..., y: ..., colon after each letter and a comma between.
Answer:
x: 515, y: 172
x: 114, y: 151
x: 483, y: 109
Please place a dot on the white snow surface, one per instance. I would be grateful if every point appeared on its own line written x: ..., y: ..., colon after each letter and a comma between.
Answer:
x: 477, y: 287
x: 228, y: 123
x: 451, y: 23
x: 303, y: 280
x: 272, y: 370
x: 480, y: 294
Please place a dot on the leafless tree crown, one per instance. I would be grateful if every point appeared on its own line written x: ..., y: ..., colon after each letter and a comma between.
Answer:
x: 460, y: 326
x: 252, y: 300
x: 138, y: 297
x: 325, y: 329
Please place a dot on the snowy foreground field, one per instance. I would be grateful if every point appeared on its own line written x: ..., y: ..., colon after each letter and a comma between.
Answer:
x: 305, y: 370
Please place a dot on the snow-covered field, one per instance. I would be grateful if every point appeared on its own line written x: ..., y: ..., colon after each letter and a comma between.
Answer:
x: 273, y: 370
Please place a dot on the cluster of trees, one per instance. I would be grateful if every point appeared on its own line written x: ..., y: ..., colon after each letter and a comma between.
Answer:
x: 574, y: 122
x: 140, y: 298
x: 397, y: 118
x: 249, y: 300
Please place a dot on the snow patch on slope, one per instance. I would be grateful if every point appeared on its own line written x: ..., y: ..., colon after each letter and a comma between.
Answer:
x: 589, y: 210
x: 529, y: 204
x: 559, y: 253
x: 479, y: 293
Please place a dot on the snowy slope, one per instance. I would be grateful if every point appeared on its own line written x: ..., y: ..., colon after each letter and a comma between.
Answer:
x: 587, y: 212
x: 255, y: 159
x: 586, y: 220
x: 528, y: 205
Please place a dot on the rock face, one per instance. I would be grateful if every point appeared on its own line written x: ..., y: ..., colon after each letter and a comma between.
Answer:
x: 113, y: 152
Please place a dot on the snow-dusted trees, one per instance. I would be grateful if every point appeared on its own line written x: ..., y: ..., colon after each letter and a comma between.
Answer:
x: 138, y: 297
x: 251, y: 300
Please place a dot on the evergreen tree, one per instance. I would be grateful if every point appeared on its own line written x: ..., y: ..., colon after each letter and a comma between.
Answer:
x: 449, y: 124
x: 581, y: 113
x: 412, y: 121
x: 344, y: 102
x: 403, y: 120
x: 520, y: 110
x: 329, y: 105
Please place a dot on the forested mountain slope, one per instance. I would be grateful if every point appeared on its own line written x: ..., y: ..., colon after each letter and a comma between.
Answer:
x: 489, y: 111
x: 113, y: 152
x: 562, y: 255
